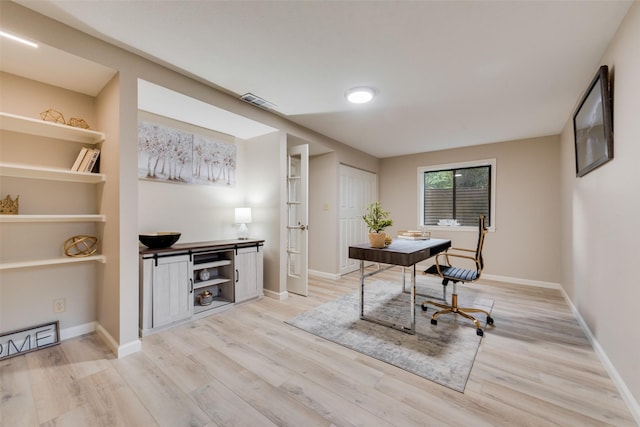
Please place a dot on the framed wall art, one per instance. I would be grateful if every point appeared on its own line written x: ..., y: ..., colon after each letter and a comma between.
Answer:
x: 593, y: 125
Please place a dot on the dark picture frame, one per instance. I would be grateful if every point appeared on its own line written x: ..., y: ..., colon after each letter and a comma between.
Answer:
x: 593, y: 125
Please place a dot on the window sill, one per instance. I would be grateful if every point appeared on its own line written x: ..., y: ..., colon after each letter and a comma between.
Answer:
x: 457, y: 228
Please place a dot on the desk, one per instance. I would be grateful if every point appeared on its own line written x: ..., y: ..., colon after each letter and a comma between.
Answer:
x: 405, y: 253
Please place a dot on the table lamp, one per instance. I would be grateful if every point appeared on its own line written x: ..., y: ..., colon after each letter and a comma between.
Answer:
x: 243, y: 217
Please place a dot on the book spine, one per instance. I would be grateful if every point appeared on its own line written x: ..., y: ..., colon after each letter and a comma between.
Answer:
x: 92, y: 160
x: 81, y: 155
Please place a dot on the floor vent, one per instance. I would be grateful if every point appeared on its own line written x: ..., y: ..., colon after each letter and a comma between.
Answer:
x: 257, y: 101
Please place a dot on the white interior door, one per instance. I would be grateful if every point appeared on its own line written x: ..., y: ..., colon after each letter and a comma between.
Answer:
x: 358, y: 188
x: 298, y: 219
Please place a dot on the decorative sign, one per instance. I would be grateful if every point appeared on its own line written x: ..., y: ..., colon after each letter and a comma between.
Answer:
x: 26, y: 340
x: 175, y: 156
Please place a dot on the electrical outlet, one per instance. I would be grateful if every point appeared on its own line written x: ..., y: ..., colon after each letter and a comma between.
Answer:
x: 59, y: 305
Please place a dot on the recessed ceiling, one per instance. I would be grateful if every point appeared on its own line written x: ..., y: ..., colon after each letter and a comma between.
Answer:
x: 165, y: 102
x: 53, y: 66
x: 449, y: 73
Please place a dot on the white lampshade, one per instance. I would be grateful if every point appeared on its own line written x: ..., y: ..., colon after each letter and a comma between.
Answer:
x: 243, y: 217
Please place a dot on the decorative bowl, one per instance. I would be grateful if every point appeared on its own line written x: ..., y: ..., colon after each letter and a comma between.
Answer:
x: 159, y: 240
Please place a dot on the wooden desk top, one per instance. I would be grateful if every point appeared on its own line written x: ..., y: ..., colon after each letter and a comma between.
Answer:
x: 400, y: 252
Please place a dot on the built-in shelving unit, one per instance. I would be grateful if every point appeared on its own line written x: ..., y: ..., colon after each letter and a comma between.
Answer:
x: 73, y: 135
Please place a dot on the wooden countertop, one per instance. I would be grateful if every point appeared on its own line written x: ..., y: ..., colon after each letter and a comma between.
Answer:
x: 200, y: 246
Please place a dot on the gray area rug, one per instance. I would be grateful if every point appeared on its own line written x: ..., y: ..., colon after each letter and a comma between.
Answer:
x: 443, y: 353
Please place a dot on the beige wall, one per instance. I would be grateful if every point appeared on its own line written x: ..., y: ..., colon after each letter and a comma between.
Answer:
x: 323, y: 214
x: 525, y: 244
x: 600, y: 212
x: 265, y: 158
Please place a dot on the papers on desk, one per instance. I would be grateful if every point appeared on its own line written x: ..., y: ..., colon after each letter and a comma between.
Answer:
x: 414, y: 235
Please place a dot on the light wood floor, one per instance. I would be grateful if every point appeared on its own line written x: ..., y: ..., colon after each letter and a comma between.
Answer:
x: 246, y: 367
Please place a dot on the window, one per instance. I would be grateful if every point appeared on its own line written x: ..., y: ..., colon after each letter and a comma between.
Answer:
x: 461, y: 191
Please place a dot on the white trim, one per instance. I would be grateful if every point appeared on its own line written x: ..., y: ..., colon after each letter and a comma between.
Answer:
x: 324, y: 275
x: 276, y: 295
x: 486, y: 162
x: 518, y: 281
x: 627, y: 396
x: 115, y: 347
x: 129, y: 348
x: 76, y: 331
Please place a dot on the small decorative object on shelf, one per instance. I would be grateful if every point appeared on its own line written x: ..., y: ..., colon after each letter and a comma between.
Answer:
x: 52, y: 115
x: 55, y: 116
x: 204, y: 275
x: 9, y: 206
x: 78, y: 123
x: 205, y: 298
x: 377, y: 219
x: 80, y: 246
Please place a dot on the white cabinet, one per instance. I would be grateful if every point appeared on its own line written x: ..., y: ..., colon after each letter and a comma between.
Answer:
x: 171, y: 290
x: 28, y: 172
x: 192, y: 280
x: 249, y: 281
x: 166, y: 291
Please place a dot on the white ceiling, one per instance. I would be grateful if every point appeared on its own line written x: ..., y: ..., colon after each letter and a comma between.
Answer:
x: 449, y: 73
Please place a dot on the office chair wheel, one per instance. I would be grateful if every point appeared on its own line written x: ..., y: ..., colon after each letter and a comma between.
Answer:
x: 424, y: 307
x: 489, y: 320
x: 479, y: 332
x: 434, y: 322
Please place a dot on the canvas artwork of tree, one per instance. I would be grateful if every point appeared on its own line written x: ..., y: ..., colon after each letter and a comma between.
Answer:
x: 176, y: 156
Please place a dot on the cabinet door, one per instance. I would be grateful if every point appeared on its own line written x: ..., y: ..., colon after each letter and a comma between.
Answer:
x: 171, y: 290
x: 248, y: 263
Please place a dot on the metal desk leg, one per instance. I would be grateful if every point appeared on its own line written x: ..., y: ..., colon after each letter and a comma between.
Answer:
x: 362, y: 289
x: 412, y: 328
x: 413, y: 297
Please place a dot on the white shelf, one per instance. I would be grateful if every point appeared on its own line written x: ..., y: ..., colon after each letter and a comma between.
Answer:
x: 53, y: 174
x: 211, y: 264
x: 217, y: 302
x: 52, y: 218
x: 51, y: 261
x: 37, y: 127
x: 215, y: 281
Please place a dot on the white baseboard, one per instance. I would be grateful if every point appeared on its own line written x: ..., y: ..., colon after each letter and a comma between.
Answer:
x: 76, y: 331
x: 115, y: 347
x: 518, y: 281
x: 324, y: 275
x: 627, y: 396
x: 276, y: 295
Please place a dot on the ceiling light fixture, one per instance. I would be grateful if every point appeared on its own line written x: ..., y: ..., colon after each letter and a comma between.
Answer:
x: 18, y: 39
x: 360, y: 95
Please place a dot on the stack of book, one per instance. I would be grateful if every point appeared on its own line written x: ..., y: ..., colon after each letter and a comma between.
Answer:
x: 87, y: 160
x: 414, y: 235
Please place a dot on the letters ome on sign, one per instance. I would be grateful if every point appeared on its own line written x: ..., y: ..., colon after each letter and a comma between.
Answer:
x: 26, y: 340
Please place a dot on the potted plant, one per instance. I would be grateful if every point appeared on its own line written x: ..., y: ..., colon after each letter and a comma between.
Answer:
x: 377, y: 219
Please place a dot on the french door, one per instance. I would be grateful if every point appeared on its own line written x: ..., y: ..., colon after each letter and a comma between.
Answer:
x: 297, y: 219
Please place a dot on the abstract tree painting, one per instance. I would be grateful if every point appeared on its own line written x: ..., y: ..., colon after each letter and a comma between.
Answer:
x: 176, y: 156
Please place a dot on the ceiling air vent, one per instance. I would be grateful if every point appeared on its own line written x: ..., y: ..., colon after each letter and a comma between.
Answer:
x: 257, y: 101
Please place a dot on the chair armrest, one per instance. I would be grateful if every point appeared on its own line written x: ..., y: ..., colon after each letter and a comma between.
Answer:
x: 447, y: 255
